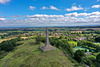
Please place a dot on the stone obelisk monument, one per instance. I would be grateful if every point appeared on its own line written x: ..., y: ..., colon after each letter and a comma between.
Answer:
x: 47, y: 46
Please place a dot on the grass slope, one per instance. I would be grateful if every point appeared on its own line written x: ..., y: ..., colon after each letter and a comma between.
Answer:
x: 29, y: 55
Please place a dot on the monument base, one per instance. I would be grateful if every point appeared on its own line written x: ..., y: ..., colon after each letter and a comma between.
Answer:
x: 47, y: 48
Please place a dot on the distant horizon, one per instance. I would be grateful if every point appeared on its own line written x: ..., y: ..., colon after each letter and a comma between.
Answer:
x: 53, y: 26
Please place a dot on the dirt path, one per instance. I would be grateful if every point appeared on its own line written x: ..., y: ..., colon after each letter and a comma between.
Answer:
x: 6, y: 64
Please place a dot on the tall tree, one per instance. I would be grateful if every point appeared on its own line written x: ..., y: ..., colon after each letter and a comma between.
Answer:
x: 78, y: 55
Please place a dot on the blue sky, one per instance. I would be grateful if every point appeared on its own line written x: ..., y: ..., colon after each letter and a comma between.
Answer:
x: 30, y: 13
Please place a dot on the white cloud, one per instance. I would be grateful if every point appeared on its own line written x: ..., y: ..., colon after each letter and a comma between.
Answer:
x: 85, y: 9
x: 69, y: 19
x: 32, y: 7
x: 53, y: 8
x: 45, y: 16
x: 18, y: 16
x: 94, y: 13
x: 2, y: 19
x: 72, y: 14
x: 74, y: 8
x: 75, y: 14
x: 98, y: 0
x: 4, y: 1
x: 82, y: 14
x: 96, y: 6
x: 44, y: 7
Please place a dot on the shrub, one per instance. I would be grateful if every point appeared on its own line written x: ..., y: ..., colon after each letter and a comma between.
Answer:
x: 78, y: 55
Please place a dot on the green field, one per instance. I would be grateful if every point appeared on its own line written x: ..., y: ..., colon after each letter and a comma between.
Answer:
x: 97, y: 44
x: 92, y: 56
x: 29, y: 55
x: 1, y: 34
x: 96, y: 53
x: 79, y: 48
x: 0, y: 37
x: 73, y: 42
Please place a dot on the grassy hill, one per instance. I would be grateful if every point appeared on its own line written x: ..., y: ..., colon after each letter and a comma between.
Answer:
x: 29, y: 55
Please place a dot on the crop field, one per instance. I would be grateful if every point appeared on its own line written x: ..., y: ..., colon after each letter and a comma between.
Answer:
x: 1, y: 40
x: 86, y: 29
x: 2, y: 33
x: 76, y: 31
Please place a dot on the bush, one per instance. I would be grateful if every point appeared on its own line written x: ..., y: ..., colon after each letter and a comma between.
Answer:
x: 90, y: 50
x: 85, y: 50
x: 98, y: 58
x: 97, y: 64
x: 9, y: 45
x: 97, y: 39
x: 38, y: 39
x: 92, y: 59
x: 76, y: 65
x: 78, y: 55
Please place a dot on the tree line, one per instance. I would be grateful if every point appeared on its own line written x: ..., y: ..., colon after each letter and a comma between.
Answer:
x: 8, y: 45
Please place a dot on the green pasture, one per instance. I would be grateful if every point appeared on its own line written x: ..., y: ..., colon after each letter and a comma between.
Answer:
x: 80, y: 48
x: 96, y: 53
x: 97, y: 44
x: 92, y: 56
x: 2, y: 34
x: 73, y: 42
x: 0, y: 37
